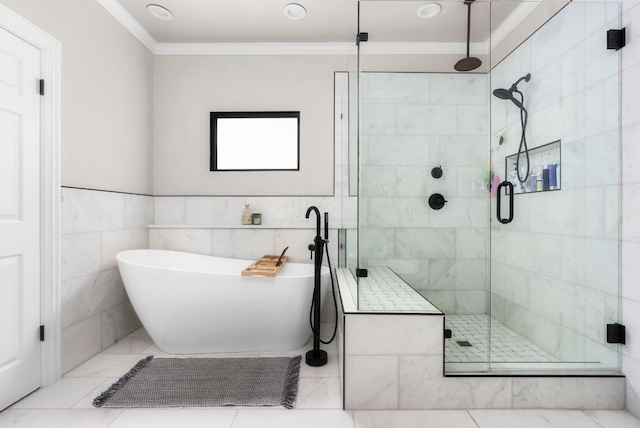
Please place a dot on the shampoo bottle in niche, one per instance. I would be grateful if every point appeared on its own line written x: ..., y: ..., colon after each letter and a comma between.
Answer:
x: 553, y: 178
x: 539, y: 183
x: 247, y: 214
x: 513, y: 178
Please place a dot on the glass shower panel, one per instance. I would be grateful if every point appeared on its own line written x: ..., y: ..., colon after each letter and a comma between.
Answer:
x: 345, y: 121
x: 419, y: 116
x: 554, y: 268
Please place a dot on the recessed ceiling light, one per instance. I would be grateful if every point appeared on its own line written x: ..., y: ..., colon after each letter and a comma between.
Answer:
x: 159, y: 12
x: 429, y: 11
x: 295, y: 11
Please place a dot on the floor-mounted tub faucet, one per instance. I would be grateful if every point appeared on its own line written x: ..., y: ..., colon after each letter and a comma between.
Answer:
x: 318, y: 243
x: 316, y: 357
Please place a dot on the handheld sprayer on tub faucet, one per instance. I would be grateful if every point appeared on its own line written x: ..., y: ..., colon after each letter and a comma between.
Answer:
x: 317, y: 357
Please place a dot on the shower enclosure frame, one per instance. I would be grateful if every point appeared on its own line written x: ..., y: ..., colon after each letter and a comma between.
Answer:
x: 612, y: 196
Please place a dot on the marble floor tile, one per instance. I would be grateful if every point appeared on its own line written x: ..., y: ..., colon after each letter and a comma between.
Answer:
x: 141, y: 332
x: 532, y: 419
x: 331, y: 369
x: 20, y: 418
x: 61, y: 395
x: 130, y: 345
x: 68, y: 403
x: 319, y: 393
x: 86, y: 402
x: 105, y: 365
x: 614, y: 418
x: 171, y: 418
x: 413, y: 419
x: 292, y: 419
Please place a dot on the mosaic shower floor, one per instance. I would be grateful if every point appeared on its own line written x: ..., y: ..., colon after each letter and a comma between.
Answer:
x: 507, y: 346
x: 510, y: 351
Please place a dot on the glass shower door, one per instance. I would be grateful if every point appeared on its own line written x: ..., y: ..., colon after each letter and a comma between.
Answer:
x: 554, y: 268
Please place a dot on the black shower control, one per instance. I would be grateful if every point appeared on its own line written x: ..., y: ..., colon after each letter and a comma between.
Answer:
x: 436, y: 172
x: 436, y: 201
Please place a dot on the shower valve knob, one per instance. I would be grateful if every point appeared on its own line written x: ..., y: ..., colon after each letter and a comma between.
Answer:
x: 437, y: 201
x: 436, y: 172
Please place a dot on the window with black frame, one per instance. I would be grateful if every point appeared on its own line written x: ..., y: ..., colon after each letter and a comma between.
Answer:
x: 255, y: 141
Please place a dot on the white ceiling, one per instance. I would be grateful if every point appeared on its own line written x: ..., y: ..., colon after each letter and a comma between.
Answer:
x: 227, y: 21
x: 327, y: 21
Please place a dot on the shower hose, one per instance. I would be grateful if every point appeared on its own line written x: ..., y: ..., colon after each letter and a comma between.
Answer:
x: 335, y: 303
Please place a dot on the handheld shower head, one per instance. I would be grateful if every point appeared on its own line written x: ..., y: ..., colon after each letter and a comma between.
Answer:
x: 503, y: 94
x: 525, y: 78
x: 507, y: 94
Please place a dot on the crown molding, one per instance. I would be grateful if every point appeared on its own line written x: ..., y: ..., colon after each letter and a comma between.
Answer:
x: 265, y: 48
x: 422, y: 48
x: 134, y: 27
x: 512, y: 22
x: 369, y: 48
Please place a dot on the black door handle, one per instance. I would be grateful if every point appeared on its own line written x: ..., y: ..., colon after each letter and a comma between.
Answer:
x: 509, y: 187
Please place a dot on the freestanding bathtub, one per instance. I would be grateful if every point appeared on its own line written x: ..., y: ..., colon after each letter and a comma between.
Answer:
x: 191, y: 304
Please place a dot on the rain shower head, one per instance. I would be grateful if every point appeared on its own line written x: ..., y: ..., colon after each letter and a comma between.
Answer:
x: 469, y: 62
x: 507, y: 94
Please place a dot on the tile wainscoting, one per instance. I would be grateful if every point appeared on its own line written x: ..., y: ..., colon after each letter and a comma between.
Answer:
x: 211, y: 225
x: 241, y: 242
x: 96, y: 225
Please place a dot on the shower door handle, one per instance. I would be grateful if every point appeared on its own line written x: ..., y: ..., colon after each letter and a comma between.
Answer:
x: 509, y: 187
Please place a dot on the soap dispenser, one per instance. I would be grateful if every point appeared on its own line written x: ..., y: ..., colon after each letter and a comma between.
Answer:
x: 247, y: 215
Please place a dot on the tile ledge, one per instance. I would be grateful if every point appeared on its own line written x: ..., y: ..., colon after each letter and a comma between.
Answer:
x: 233, y: 226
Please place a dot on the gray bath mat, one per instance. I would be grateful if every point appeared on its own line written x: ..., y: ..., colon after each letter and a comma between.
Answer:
x: 205, y: 382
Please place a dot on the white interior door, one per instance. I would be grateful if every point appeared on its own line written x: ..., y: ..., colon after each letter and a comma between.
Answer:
x: 19, y: 218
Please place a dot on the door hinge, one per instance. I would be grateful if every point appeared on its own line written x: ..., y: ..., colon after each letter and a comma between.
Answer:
x: 616, y: 39
x: 616, y: 333
x: 362, y: 37
x: 41, y: 86
x: 447, y: 333
x: 41, y: 333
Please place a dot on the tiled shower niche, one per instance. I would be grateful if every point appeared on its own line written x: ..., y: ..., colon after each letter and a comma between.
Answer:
x: 544, y: 169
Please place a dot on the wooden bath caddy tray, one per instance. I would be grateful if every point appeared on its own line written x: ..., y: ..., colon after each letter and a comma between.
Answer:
x: 267, y: 265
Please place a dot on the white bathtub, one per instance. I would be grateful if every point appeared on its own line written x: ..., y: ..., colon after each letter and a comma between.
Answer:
x: 190, y: 303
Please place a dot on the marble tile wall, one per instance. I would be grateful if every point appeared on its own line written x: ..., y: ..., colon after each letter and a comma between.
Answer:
x: 376, y: 347
x: 555, y: 267
x: 630, y: 268
x: 96, y: 225
x: 211, y: 226
x: 412, y: 122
